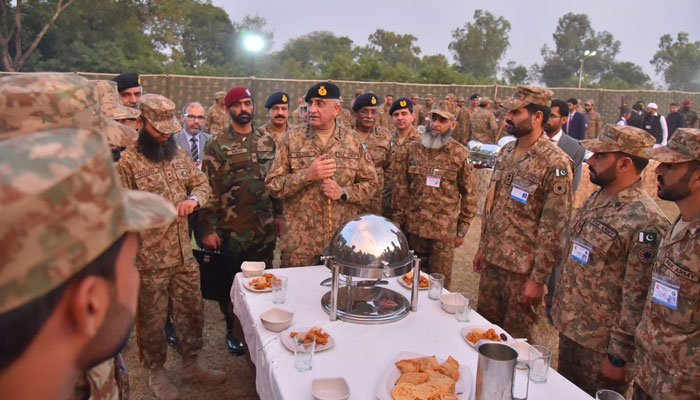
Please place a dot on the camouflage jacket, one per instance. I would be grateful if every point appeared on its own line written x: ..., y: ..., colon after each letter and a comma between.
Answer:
x: 461, y: 132
x: 378, y: 144
x: 399, y: 150
x: 345, y: 117
x: 418, y: 114
x: 482, y: 126
x: 236, y: 166
x: 668, y: 338
x: 276, y: 136
x: 433, y: 193
x: 599, y: 298
x: 384, y: 119
x: 594, y: 124
x: 690, y: 117
x: 306, y: 209
x: 527, y: 209
x: 217, y: 121
x: 174, y: 180
x: 105, y: 381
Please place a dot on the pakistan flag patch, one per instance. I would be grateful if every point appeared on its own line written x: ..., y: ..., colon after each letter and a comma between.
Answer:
x: 560, y: 172
x: 647, y: 237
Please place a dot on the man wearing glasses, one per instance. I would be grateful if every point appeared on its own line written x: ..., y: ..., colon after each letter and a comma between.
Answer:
x: 192, y: 138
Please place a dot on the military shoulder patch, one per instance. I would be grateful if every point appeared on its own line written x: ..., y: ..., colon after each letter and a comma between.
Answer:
x: 647, y: 254
x: 559, y: 188
x: 560, y: 172
x: 647, y: 237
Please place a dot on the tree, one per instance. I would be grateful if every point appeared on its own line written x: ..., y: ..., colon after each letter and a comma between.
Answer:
x: 573, y: 36
x: 306, y: 55
x: 679, y: 61
x: 479, y: 46
x: 395, y: 48
x: 12, y: 30
x: 625, y: 75
x: 516, y: 74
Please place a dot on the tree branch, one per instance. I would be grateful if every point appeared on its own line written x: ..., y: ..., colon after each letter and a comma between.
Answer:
x: 19, y: 61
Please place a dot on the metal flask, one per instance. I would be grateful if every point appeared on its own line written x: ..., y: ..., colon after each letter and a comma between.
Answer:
x: 495, y: 371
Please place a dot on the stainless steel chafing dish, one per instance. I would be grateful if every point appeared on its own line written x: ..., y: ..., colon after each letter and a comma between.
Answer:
x: 371, y: 247
x: 482, y: 154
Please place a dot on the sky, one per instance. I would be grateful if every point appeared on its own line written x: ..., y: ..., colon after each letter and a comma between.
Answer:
x: 637, y: 24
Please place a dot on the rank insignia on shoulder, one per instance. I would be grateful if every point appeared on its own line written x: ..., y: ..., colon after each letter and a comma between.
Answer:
x: 647, y: 237
x: 647, y: 254
x: 559, y: 188
x: 560, y: 172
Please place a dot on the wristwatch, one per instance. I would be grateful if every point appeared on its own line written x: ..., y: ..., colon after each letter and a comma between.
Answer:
x: 344, y: 196
x: 193, y: 197
x: 616, y: 361
x: 461, y: 234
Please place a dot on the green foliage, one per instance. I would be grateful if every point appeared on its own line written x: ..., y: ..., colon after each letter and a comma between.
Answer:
x: 306, y: 55
x: 479, y: 46
x: 516, y: 74
x: 679, y: 61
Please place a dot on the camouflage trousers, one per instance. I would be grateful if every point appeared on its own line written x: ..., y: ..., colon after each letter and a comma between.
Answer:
x: 290, y: 259
x: 179, y: 287
x: 436, y: 255
x: 581, y: 366
x: 500, y: 292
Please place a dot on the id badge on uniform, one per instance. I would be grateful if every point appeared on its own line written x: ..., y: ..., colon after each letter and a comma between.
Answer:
x: 199, y: 165
x: 665, y: 290
x: 581, y: 250
x: 432, y: 180
x: 520, y: 193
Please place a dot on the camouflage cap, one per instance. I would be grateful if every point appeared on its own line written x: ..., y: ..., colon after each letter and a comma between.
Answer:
x: 110, y: 102
x: 160, y: 112
x: 526, y: 94
x: 624, y: 138
x: 683, y: 146
x: 62, y: 205
x: 39, y: 101
x: 444, y: 110
x: 219, y: 95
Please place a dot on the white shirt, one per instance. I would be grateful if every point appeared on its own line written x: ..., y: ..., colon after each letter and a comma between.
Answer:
x: 664, y: 130
x: 556, y: 137
x: 622, y: 121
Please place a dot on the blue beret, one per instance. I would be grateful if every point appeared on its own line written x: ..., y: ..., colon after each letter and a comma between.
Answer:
x: 127, y: 81
x: 323, y: 90
x: 474, y: 96
x: 401, y: 103
x: 277, y: 98
x: 367, y: 99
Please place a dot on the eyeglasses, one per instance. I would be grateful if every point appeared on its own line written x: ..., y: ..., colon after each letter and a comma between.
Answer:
x: 194, y: 117
x: 554, y: 116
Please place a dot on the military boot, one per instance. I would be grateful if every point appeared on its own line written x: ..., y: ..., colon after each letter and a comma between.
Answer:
x: 161, y: 386
x: 193, y: 372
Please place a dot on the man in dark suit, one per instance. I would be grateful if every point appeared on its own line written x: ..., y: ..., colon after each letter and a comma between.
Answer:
x: 192, y: 138
x: 575, y: 125
x: 553, y: 129
x: 636, y: 117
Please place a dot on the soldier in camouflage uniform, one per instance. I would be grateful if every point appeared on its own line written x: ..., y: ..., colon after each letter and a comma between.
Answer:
x: 429, y: 101
x: 418, y: 110
x: 594, y: 123
x: 324, y: 175
x: 239, y: 220
x: 58, y: 181
x: 483, y: 125
x: 217, y: 120
x: 433, y: 195
x: 461, y: 131
x: 130, y: 90
x: 402, y: 135
x: 612, y: 241
x: 169, y: 272
x: 277, y: 106
x: 384, y: 119
x: 690, y: 116
x: 301, y: 114
x: 526, y: 213
x: 377, y: 142
x: 667, y: 337
x: 345, y: 117
x: 113, y: 108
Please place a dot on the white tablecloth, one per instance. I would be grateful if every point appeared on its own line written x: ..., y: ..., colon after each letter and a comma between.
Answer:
x: 362, y: 353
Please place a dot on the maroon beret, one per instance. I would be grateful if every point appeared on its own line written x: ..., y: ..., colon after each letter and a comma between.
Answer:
x: 236, y: 94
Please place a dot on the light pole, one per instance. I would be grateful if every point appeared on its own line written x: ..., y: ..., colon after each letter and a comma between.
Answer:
x: 586, y: 54
x: 253, y: 42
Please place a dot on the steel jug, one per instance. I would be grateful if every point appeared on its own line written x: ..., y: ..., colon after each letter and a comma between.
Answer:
x: 495, y: 371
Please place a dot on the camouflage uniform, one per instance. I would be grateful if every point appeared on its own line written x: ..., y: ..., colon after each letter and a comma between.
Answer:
x: 111, y: 104
x: 690, y: 117
x: 276, y: 136
x: 526, y: 213
x: 420, y: 113
x: 217, y: 121
x: 306, y: 209
x: 461, y: 132
x: 431, y: 215
x: 345, y: 117
x: 295, y: 117
x: 384, y: 119
x: 378, y: 144
x: 599, y: 297
x: 105, y: 381
x: 483, y: 126
x: 668, y: 335
x: 594, y: 124
x: 169, y: 272
x: 399, y: 152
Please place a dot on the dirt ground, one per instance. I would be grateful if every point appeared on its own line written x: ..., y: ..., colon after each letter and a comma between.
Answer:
x: 241, y: 380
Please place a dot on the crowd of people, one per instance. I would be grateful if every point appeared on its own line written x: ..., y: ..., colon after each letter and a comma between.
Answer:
x: 97, y: 176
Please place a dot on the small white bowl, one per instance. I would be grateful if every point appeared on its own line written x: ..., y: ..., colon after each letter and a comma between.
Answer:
x: 330, y: 389
x: 276, y: 319
x: 448, y: 303
x: 252, y: 268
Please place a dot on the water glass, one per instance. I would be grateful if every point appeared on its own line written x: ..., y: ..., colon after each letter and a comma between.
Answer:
x: 303, y: 353
x: 279, y: 289
x: 605, y: 394
x: 539, y: 358
x: 436, y: 283
x: 463, y: 305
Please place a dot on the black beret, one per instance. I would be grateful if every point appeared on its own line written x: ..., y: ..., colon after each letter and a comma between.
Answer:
x: 474, y: 96
x: 277, y: 98
x: 127, y: 81
x: 367, y: 99
x: 401, y: 103
x: 323, y: 90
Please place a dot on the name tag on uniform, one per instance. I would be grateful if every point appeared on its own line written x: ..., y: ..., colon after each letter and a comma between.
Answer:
x: 520, y: 193
x: 432, y: 180
x: 581, y: 250
x: 665, y: 291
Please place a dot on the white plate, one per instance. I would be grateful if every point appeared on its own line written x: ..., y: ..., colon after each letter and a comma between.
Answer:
x: 523, y: 349
x: 463, y: 332
x: 288, y: 342
x: 407, y: 286
x: 246, y: 283
x: 463, y: 386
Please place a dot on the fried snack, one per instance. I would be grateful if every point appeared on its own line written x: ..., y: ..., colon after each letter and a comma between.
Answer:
x: 262, y: 282
x: 402, y: 391
x: 450, y: 368
x: 477, y: 334
x: 308, y: 337
x: 422, y: 364
x: 444, y: 383
x: 425, y: 391
x: 414, y: 378
x: 422, y: 280
x: 425, y: 379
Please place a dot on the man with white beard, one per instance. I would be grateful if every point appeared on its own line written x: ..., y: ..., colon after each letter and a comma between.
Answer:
x: 434, y: 199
